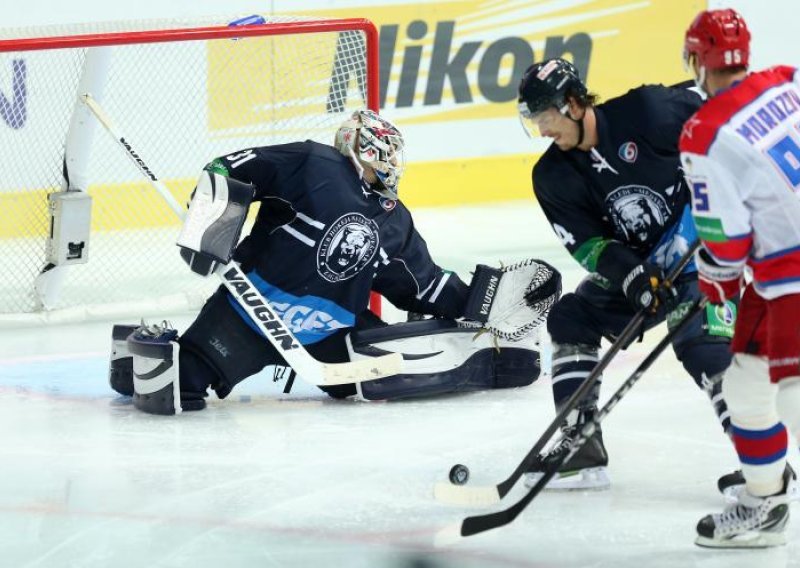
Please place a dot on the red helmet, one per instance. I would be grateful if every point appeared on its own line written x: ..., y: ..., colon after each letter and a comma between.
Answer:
x: 718, y: 39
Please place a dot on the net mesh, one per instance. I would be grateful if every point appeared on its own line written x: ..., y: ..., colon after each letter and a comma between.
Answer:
x: 180, y: 104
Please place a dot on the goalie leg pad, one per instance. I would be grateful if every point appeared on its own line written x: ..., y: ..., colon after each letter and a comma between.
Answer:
x: 156, y: 383
x: 442, y: 356
x: 214, y: 222
x: 120, y: 367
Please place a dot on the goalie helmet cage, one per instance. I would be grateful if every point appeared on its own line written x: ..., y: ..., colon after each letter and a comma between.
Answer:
x: 184, y: 92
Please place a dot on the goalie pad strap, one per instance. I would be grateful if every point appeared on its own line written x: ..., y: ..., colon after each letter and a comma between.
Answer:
x: 482, y: 292
x: 212, y: 227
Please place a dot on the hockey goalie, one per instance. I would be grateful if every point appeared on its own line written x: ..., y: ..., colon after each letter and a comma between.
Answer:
x: 329, y: 231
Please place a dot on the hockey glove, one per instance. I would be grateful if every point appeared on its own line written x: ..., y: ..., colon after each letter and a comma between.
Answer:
x: 514, y: 300
x: 645, y: 288
x: 718, y: 283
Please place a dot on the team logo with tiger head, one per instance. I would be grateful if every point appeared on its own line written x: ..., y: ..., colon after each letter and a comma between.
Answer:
x: 348, y: 245
x: 638, y: 213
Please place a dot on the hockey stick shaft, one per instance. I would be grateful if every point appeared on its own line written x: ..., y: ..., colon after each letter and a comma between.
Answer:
x: 626, y: 336
x: 254, y: 303
x: 477, y: 524
x: 466, y: 494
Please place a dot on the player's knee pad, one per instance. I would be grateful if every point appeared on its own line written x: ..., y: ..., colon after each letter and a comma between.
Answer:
x: 789, y: 404
x: 749, y: 393
x: 120, y: 366
x: 567, y: 323
x: 442, y: 356
x: 156, y: 376
x: 703, y: 356
x: 225, y: 349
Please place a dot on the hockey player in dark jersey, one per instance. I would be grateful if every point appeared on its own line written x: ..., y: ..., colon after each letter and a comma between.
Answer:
x: 329, y: 231
x: 611, y: 187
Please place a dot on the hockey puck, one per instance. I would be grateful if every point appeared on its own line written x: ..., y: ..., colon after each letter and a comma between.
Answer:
x: 459, y: 474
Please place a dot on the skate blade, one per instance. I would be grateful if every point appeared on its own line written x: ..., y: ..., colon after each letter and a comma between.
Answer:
x: 746, y: 540
x: 731, y: 494
x: 589, y: 479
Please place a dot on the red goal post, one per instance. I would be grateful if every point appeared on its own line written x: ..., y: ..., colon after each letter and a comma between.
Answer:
x: 184, y: 92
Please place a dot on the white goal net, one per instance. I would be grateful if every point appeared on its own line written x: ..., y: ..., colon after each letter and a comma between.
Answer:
x: 182, y: 93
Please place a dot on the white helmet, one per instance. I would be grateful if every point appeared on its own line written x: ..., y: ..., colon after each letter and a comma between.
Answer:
x: 371, y: 140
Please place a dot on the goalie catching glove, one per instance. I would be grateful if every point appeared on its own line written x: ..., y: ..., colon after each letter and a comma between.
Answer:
x: 214, y: 223
x: 513, y: 301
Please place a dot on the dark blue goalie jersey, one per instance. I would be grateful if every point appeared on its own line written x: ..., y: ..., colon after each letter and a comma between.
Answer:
x: 322, y: 241
x: 625, y: 201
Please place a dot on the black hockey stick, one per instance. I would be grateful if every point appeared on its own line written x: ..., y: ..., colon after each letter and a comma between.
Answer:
x: 470, y: 495
x: 481, y: 523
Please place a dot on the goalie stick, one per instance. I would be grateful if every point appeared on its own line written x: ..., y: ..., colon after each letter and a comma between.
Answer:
x: 481, y: 523
x: 254, y: 303
x: 490, y: 495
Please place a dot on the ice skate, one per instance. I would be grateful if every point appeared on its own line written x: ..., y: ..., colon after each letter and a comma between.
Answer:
x: 731, y: 485
x: 753, y: 522
x: 586, y: 470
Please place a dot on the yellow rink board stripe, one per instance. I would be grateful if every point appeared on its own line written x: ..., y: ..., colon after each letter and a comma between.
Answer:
x: 137, y: 205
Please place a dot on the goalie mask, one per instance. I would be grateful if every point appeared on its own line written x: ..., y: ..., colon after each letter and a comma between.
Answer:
x: 370, y: 140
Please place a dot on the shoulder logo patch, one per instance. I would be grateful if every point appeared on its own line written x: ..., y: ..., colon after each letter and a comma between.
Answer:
x: 628, y: 152
x: 348, y: 245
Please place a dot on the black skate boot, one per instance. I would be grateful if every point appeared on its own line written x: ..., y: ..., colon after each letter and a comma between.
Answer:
x: 753, y: 522
x: 731, y: 485
x: 586, y: 470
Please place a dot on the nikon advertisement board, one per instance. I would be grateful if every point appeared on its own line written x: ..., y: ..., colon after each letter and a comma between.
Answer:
x: 449, y: 73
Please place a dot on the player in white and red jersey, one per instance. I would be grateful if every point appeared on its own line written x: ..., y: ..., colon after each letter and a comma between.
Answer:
x: 741, y: 155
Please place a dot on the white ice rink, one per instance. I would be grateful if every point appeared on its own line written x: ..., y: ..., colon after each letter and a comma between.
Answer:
x: 264, y: 479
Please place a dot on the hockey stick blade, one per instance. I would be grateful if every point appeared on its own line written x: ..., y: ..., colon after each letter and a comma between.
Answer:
x: 502, y: 489
x: 466, y: 495
x: 481, y: 523
x: 254, y: 303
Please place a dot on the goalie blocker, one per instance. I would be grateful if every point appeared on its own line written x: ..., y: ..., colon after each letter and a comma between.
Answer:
x: 213, y: 225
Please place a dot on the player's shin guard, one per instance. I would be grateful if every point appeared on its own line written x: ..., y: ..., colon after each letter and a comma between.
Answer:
x: 120, y: 368
x: 759, y: 436
x: 789, y: 404
x: 572, y: 364
x: 156, y: 377
x: 712, y: 386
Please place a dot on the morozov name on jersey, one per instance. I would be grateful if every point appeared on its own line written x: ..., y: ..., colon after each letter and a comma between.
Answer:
x: 768, y: 116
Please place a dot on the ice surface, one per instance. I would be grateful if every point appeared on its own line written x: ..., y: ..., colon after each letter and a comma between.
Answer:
x: 266, y: 479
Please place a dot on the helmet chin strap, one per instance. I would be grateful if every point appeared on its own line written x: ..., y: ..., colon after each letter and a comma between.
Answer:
x: 581, y: 128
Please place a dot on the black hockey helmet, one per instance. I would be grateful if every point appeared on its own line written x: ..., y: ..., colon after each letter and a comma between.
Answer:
x: 547, y: 84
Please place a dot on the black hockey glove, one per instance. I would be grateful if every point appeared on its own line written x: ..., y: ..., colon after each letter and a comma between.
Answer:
x: 645, y: 288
